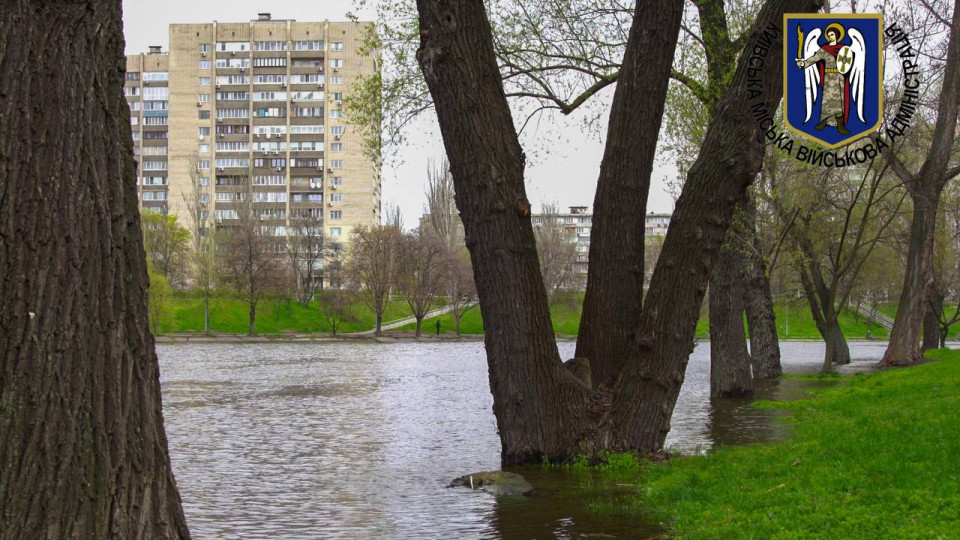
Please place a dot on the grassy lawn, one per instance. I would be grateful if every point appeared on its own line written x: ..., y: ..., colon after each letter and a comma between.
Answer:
x: 873, y: 458
x: 792, y: 323
x: 231, y: 316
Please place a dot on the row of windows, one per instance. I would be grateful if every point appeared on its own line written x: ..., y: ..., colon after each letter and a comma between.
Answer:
x: 270, y: 62
x: 204, y: 164
x: 154, y: 181
x: 154, y: 165
x: 230, y: 63
x: 240, y: 46
x: 154, y: 195
x: 271, y: 79
x: 154, y: 150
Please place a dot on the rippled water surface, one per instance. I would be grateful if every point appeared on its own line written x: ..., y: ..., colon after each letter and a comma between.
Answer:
x: 359, y: 440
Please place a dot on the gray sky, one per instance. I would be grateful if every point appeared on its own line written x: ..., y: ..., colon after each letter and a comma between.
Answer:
x: 563, y: 159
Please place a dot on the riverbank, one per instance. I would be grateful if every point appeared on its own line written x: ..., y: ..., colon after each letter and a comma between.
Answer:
x: 873, y: 458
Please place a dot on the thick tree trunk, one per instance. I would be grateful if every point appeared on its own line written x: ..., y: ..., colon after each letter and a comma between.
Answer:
x: 931, y: 321
x: 904, y: 346
x: 837, y: 352
x: 925, y: 189
x: 83, y: 452
x: 761, y: 319
x: 541, y: 409
x: 614, y: 293
x: 729, y: 360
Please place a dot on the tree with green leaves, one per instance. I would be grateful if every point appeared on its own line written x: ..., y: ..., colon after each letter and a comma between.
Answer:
x: 167, y: 244
x: 637, y: 357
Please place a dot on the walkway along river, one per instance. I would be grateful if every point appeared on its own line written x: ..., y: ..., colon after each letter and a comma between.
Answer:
x: 359, y: 440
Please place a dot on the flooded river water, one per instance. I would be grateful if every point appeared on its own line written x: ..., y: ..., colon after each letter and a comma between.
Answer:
x: 359, y: 440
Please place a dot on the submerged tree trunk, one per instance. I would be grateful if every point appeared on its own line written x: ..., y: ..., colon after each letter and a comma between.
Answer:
x: 541, y: 408
x: 83, y: 452
x: 730, y: 375
x: 761, y: 319
x: 931, y: 320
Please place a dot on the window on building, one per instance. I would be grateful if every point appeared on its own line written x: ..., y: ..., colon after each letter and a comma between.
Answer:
x: 336, y: 130
x: 336, y: 197
x: 203, y: 148
x: 336, y: 214
x: 270, y: 62
x: 203, y: 81
x: 134, y: 120
x: 232, y: 46
x: 156, y: 76
x: 336, y: 113
x: 131, y: 91
x: 336, y: 79
x: 336, y: 63
x: 336, y: 232
x: 203, y: 64
x: 307, y: 45
x: 203, y: 98
x: 203, y: 115
x: 132, y: 76
x: 203, y: 181
x: 307, y: 130
x: 270, y: 45
x: 336, y: 181
x: 203, y: 131
x: 203, y: 164
x: 336, y: 147
x: 336, y: 45
x: 336, y: 163
x: 233, y: 63
x: 204, y: 47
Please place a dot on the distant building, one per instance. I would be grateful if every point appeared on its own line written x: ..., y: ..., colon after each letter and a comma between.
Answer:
x: 257, y: 102
x: 656, y: 224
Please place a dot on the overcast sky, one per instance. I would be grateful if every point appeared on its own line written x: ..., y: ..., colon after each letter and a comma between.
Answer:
x: 563, y: 158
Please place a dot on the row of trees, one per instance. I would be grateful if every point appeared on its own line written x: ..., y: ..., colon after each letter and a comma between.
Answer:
x: 248, y: 258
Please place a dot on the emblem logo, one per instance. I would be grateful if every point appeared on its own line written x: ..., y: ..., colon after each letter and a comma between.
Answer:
x: 832, y: 76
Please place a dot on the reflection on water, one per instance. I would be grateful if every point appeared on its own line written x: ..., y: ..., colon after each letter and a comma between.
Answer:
x: 357, y: 440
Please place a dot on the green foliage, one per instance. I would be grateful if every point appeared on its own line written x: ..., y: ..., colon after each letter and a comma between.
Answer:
x: 159, y: 301
x: 875, y: 458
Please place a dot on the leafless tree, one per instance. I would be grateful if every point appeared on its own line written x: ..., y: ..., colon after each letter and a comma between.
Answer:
x: 250, y: 251
x: 204, y: 262
x: 422, y: 273
x: 556, y: 250
x: 442, y: 220
x: 305, y: 249
x: 461, y: 289
x: 393, y: 217
x: 337, y: 300
x: 372, y: 265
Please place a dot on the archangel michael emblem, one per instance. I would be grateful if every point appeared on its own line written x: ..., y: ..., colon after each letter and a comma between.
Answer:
x: 832, y: 76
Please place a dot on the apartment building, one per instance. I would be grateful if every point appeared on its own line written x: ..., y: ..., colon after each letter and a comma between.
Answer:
x: 261, y: 103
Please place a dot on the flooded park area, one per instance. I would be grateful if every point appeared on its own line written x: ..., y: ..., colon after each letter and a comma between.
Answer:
x: 360, y: 440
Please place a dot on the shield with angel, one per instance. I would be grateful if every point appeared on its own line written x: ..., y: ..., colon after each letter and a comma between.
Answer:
x: 832, y: 76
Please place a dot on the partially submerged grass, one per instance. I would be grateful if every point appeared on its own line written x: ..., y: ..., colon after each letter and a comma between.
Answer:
x: 874, y: 458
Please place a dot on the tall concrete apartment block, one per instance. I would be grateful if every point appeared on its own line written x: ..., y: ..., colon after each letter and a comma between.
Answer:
x: 260, y: 102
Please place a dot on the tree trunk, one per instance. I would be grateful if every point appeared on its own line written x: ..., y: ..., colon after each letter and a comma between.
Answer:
x: 837, y: 352
x: 253, y: 318
x: 931, y: 321
x: 614, y: 294
x: 758, y: 303
x: 419, y: 325
x: 206, y: 314
x: 925, y: 190
x: 377, y: 332
x: 729, y: 360
x: 542, y: 410
x: 83, y: 451
x: 456, y: 317
x: 904, y: 346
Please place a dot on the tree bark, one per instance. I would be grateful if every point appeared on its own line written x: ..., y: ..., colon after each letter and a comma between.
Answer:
x: 614, y: 294
x: 253, y: 318
x: 837, y: 351
x: 377, y: 332
x: 931, y: 321
x: 925, y: 188
x: 542, y: 409
x: 761, y: 318
x: 83, y: 451
x: 419, y: 325
x: 730, y: 375
x: 206, y: 314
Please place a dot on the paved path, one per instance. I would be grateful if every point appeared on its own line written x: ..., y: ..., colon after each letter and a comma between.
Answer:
x: 405, y: 321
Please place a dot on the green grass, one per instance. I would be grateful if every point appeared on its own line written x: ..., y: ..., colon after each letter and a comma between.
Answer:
x: 874, y: 458
x: 794, y: 322
x: 231, y: 316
